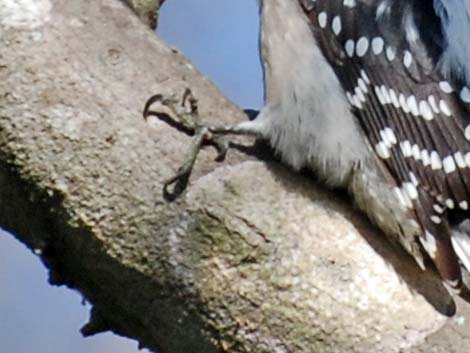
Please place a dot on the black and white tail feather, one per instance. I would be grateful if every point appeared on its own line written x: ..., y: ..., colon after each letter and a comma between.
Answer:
x: 405, y: 68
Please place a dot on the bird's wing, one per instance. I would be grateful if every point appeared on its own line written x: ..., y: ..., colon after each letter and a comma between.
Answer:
x: 388, y: 56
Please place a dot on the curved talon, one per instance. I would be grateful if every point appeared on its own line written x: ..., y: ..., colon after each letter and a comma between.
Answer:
x: 179, y: 182
x: 153, y: 99
x: 179, y: 113
x: 188, y: 96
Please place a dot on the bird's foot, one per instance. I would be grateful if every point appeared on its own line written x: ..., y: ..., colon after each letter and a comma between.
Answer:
x: 183, y: 114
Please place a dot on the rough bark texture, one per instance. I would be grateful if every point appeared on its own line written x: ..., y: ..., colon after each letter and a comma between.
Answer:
x: 252, y: 258
x: 147, y: 10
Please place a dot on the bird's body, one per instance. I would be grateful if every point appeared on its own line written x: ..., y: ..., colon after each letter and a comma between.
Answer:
x: 374, y: 97
x: 304, y: 101
x: 361, y: 93
x: 308, y: 120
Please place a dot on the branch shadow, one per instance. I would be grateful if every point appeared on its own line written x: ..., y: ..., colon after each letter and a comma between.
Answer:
x: 426, y: 283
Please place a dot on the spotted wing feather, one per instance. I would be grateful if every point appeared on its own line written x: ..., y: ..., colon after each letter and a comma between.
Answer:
x: 388, y: 57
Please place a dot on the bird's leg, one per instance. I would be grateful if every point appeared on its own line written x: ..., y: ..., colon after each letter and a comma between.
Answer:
x: 183, y: 114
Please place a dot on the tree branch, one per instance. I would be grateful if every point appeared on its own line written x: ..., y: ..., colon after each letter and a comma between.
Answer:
x: 147, y: 10
x: 252, y: 258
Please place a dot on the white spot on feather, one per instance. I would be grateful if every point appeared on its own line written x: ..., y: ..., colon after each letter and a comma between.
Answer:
x: 461, y: 245
x: 385, y: 95
x: 407, y: 58
x: 436, y: 219
x: 394, y: 99
x: 390, y: 53
x: 416, y: 152
x: 322, y: 19
x: 459, y: 159
x: 436, y: 162
x: 467, y: 132
x: 336, y: 25
x: 402, y: 198
x: 403, y: 104
x: 465, y: 95
x: 429, y: 244
x: 445, y: 87
x: 444, y: 108
x: 450, y: 204
x: 451, y: 286
x: 390, y: 135
x: 362, y: 46
x: 377, y: 45
x: 349, y: 47
x: 406, y: 148
x: 438, y: 208
x: 413, y: 179
x: 410, y: 190
x: 362, y: 85
x: 413, y: 105
x: 382, y: 150
x: 365, y: 77
x: 359, y: 94
x: 357, y: 102
x: 425, y: 158
x: 378, y: 93
x: 425, y: 110
x: 452, y: 283
x: 382, y: 10
x: 467, y: 159
x: 412, y: 34
x: 432, y: 102
x: 449, y: 164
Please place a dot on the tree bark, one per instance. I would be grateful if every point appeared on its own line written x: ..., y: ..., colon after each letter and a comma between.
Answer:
x: 251, y: 258
x: 147, y: 10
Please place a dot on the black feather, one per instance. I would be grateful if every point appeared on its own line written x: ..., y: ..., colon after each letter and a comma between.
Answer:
x: 398, y: 46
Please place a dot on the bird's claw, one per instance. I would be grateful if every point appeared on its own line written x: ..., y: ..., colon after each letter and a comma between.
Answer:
x: 183, y: 114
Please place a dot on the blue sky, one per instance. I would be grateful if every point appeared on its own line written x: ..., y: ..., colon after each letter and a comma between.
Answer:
x: 220, y: 38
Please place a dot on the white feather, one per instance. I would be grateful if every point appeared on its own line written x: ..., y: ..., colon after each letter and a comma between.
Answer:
x: 461, y: 245
x: 307, y: 117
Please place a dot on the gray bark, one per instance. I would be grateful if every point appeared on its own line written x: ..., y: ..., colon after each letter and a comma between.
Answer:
x: 252, y: 258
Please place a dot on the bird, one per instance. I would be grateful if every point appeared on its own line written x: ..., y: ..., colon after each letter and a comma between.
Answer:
x: 374, y: 96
